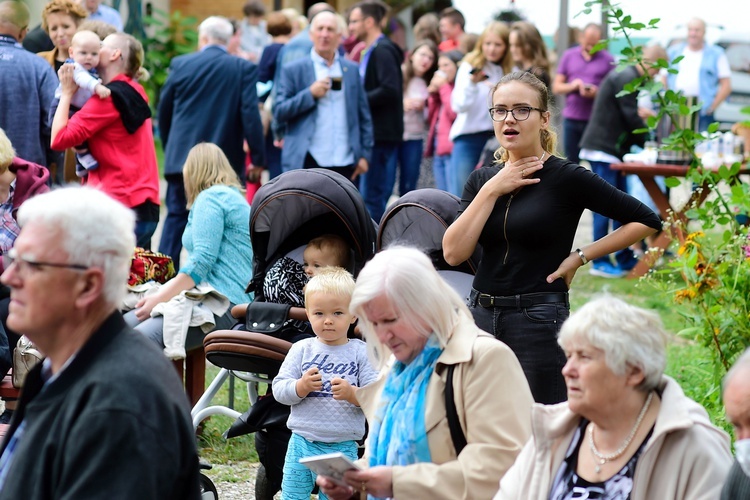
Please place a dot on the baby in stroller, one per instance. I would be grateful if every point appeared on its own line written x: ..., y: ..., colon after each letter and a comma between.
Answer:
x: 285, y: 280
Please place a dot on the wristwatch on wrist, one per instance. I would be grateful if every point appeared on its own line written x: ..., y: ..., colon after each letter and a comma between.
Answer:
x: 582, y: 256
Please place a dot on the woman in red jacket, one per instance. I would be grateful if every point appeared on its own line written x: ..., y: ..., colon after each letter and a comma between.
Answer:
x: 118, y: 130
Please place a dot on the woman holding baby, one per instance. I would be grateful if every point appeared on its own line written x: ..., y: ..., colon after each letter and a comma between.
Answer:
x: 118, y: 130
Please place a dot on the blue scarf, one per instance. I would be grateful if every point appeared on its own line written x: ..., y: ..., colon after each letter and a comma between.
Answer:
x: 398, y: 431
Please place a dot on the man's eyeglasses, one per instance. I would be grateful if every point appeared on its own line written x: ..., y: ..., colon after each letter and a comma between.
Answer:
x: 520, y: 113
x: 24, y: 266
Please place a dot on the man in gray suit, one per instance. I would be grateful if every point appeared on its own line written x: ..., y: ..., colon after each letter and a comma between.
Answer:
x: 323, y: 103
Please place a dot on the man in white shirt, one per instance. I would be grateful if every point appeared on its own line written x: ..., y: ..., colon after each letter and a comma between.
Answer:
x: 323, y: 102
x: 703, y: 72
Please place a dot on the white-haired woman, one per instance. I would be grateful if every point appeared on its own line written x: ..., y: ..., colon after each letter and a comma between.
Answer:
x: 416, y: 328
x: 627, y: 431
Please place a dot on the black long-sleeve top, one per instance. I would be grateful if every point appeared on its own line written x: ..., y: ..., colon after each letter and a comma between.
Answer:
x: 528, y: 234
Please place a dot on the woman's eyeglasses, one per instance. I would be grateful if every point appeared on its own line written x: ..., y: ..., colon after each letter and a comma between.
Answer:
x: 520, y: 113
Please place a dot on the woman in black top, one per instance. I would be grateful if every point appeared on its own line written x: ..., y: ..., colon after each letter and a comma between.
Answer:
x: 525, y: 212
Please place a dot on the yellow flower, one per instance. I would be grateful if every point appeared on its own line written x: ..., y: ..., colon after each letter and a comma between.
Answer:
x: 686, y: 294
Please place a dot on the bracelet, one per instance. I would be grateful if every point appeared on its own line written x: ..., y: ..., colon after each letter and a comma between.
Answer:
x: 582, y: 256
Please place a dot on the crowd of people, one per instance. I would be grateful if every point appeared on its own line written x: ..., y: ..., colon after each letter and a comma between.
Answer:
x: 504, y: 393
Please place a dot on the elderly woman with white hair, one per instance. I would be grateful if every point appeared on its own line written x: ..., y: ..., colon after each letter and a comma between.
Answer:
x: 627, y: 430
x: 422, y: 336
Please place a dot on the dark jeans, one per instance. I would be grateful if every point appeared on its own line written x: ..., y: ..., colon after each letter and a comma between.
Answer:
x: 177, y: 217
x: 624, y: 257
x: 531, y: 333
x: 377, y: 184
x: 572, y: 133
x: 467, y: 150
x: 347, y: 171
x: 409, y: 163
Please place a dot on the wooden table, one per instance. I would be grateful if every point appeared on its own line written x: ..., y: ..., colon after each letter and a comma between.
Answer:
x: 646, y: 173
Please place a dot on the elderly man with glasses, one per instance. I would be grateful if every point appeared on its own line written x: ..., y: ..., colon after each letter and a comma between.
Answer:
x: 104, y: 415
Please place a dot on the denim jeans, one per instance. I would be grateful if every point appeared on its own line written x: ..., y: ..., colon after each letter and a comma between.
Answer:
x: 377, y: 184
x: 572, y: 133
x: 440, y: 166
x: 466, y: 152
x: 409, y: 161
x: 531, y: 333
x: 704, y: 121
x: 144, y: 230
x: 176, y: 220
x: 601, y: 223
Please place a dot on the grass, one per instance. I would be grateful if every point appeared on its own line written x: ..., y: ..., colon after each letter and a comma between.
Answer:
x: 213, y: 447
x: 688, y: 363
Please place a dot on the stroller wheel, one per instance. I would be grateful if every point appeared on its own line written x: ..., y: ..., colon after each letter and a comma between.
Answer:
x: 263, y: 488
x: 208, y: 489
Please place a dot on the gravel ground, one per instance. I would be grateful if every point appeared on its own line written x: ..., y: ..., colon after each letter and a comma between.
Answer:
x: 234, y: 481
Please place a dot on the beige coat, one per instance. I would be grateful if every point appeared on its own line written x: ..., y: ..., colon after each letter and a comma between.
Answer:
x: 493, y: 401
x: 686, y: 457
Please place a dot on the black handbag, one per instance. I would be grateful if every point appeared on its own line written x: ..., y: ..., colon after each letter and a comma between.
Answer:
x: 266, y: 317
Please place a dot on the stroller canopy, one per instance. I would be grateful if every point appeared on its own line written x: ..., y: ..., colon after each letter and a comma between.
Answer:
x: 299, y: 205
x: 419, y: 219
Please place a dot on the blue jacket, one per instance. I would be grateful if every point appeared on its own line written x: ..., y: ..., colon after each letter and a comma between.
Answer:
x: 709, y: 77
x: 296, y: 107
x: 27, y: 86
x: 210, y: 96
x: 217, y: 238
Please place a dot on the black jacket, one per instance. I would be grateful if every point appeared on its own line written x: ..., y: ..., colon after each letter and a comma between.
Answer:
x: 384, y: 84
x: 115, y: 423
x: 613, y: 119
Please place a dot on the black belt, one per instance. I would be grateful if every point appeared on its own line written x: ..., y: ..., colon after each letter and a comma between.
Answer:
x: 523, y: 300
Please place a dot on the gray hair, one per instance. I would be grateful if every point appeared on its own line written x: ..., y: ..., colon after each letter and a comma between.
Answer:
x: 332, y: 15
x: 97, y: 231
x: 216, y: 29
x: 742, y: 364
x: 406, y: 277
x: 628, y: 335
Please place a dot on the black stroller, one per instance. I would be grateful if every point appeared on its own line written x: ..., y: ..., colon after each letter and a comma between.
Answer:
x: 287, y: 212
x: 419, y: 219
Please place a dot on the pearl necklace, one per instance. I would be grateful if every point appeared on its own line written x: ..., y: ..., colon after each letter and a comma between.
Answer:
x: 603, y: 459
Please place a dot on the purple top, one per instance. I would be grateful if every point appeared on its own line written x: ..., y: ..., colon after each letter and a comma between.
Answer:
x: 573, y: 65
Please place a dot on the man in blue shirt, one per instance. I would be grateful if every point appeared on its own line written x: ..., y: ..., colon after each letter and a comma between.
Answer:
x: 380, y: 71
x: 323, y: 102
x: 27, y: 87
x: 99, y: 12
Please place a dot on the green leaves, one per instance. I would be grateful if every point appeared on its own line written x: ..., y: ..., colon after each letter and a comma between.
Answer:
x: 171, y: 35
x: 708, y: 279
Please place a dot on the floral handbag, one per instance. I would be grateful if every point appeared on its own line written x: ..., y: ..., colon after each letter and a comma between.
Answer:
x: 148, y: 266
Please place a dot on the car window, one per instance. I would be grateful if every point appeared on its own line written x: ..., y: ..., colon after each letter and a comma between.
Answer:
x: 738, y: 54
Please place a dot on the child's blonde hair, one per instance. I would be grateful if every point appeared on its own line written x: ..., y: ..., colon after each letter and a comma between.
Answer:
x: 330, y: 280
x: 334, y: 244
